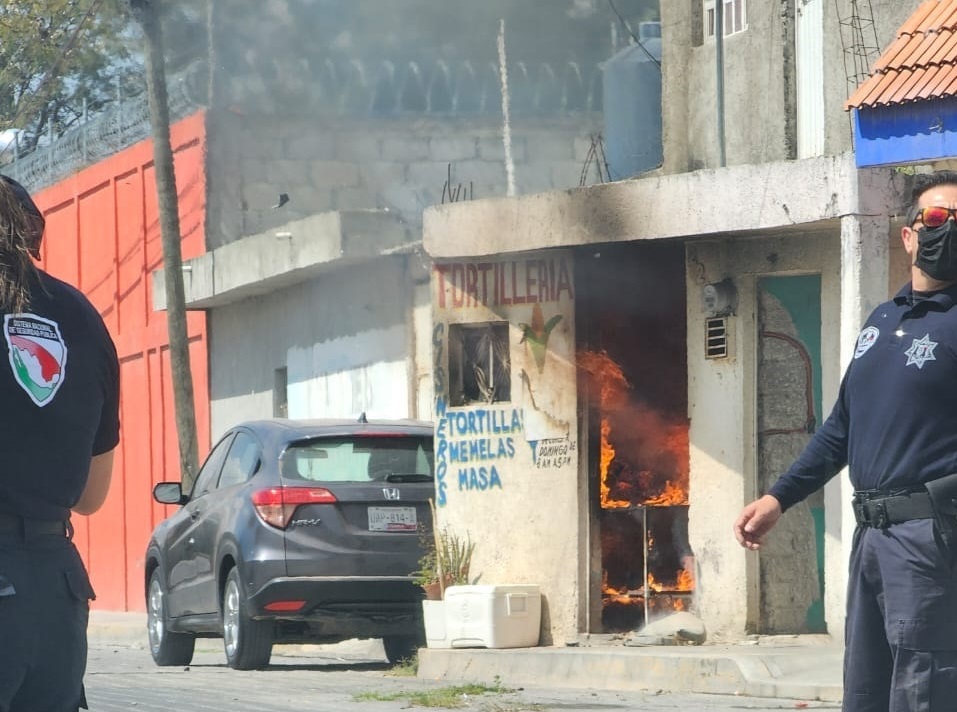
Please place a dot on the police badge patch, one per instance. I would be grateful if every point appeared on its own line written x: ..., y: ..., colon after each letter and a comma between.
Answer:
x: 37, y: 355
x: 865, y: 340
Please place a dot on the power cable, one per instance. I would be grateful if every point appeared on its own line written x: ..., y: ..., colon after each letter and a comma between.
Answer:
x: 624, y: 23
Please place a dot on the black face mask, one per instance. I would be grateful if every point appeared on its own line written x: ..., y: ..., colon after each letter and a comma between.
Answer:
x: 937, y: 251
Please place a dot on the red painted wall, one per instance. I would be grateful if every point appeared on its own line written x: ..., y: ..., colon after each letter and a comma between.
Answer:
x: 103, y: 236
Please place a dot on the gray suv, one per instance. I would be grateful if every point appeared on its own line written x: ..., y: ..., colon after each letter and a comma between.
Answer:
x: 294, y: 531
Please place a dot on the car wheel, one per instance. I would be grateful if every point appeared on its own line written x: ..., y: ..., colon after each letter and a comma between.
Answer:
x: 248, y: 642
x: 400, y: 647
x: 167, y: 648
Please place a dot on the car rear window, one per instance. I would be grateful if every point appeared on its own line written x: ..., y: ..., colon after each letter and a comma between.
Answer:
x: 359, y: 459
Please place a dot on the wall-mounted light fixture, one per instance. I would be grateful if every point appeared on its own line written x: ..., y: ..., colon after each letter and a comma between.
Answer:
x: 720, y: 298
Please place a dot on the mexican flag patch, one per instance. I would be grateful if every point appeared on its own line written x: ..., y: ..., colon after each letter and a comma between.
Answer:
x: 37, y: 355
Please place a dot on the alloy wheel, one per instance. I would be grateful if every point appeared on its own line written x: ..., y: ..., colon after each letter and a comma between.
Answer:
x: 156, y: 615
x: 231, y: 617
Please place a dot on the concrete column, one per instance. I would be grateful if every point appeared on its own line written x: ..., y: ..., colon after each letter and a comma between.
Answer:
x: 864, y: 280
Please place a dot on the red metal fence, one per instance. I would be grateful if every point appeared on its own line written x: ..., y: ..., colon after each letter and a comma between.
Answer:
x: 103, y: 236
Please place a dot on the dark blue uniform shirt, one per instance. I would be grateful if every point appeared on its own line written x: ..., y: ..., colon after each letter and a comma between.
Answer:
x: 895, y: 420
x: 59, y: 400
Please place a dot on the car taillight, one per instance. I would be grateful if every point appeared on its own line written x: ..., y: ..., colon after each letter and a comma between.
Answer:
x: 276, y: 505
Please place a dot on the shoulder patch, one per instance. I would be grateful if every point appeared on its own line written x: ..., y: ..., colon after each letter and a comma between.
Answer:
x: 867, y: 338
x: 37, y: 355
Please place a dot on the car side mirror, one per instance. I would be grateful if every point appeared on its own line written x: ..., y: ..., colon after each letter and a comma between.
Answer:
x: 169, y: 493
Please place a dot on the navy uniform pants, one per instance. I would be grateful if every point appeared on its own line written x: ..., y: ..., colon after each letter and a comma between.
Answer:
x: 901, y: 629
x: 44, y: 610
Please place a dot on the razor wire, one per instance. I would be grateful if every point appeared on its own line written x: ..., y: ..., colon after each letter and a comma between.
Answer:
x: 124, y: 123
x: 344, y: 87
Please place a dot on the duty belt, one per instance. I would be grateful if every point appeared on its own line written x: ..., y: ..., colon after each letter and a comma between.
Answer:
x: 880, y: 511
x: 13, y: 524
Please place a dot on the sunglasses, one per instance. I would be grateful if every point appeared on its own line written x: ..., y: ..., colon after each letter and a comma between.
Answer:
x: 935, y: 215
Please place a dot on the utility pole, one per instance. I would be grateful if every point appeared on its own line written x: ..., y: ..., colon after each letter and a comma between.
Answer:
x: 145, y: 12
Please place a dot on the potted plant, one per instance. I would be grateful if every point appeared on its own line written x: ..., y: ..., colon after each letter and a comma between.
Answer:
x: 445, y: 562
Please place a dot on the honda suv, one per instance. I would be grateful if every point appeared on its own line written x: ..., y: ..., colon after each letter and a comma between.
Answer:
x: 294, y: 531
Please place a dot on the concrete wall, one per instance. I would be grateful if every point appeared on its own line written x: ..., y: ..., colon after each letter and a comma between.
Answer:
x: 352, y: 164
x: 507, y: 472
x: 344, y: 339
x: 814, y: 216
x: 758, y: 88
x: 760, y: 79
x: 722, y: 402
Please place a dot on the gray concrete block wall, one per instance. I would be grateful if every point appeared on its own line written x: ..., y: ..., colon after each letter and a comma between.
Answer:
x: 403, y: 165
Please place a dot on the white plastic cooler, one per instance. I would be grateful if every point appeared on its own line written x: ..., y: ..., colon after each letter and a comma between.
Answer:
x: 500, y: 616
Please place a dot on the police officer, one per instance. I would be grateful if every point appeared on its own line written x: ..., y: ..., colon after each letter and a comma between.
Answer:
x: 59, y: 424
x: 895, y: 426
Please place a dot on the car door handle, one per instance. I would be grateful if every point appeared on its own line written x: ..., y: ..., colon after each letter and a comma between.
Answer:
x: 193, y: 514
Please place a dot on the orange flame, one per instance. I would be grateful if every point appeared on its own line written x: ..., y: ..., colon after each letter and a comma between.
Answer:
x: 672, y: 494
x: 648, y: 435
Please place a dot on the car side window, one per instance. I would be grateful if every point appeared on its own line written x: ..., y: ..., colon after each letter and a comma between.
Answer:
x: 209, y: 472
x: 241, y: 462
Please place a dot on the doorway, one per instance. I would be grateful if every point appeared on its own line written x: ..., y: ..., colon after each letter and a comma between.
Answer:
x: 791, y: 563
x: 632, y: 366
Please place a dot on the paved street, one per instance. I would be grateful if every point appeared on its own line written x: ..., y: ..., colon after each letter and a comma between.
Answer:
x: 124, y: 678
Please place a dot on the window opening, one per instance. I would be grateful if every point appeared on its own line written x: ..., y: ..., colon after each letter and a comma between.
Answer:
x: 479, y: 363
x: 280, y: 397
x: 735, y: 17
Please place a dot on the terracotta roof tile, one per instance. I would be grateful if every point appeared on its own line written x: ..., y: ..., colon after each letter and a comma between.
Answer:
x: 930, y: 47
x: 936, y: 18
x: 913, y: 22
x: 949, y: 49
x: 920, y: 64
x: 903, y: 47
x: 917, y: 89
x: 940, y: 77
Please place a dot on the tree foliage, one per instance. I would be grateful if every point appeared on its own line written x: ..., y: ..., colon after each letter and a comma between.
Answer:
x: 57, y: 56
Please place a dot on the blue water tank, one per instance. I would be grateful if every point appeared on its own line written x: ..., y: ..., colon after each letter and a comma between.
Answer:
x: 632, y: 104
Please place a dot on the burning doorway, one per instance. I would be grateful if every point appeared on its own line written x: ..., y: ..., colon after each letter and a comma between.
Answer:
x: 632, y: 359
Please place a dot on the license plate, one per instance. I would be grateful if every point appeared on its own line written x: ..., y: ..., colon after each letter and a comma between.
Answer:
x: 392, y: 519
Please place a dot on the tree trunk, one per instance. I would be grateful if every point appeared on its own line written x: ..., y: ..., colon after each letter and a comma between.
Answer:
x: 146, y: 13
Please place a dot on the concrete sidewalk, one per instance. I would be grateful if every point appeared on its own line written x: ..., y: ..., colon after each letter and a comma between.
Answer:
x: 787, y: 667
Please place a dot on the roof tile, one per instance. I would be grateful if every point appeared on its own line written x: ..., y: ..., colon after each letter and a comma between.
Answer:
x: 920, y: 64
x: 913, y: 22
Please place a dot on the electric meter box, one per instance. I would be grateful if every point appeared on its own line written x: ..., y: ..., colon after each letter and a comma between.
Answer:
x: 501, y: 616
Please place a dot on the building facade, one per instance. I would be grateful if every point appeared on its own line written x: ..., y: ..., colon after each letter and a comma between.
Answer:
x: 760, y: 244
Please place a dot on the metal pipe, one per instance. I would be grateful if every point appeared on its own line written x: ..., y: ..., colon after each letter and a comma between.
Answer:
x: 719, y: 79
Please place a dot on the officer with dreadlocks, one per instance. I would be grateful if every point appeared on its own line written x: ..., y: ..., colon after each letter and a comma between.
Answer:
x: 59, y: 425
x: 895, y: 426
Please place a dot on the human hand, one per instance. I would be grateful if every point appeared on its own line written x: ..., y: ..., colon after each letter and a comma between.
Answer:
x: 756, y: 520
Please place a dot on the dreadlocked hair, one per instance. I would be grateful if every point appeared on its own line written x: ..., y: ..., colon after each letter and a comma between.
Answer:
x: 17, y: 270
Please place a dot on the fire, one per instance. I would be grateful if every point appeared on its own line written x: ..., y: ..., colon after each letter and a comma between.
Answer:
x: 672, y: 494
x: 610, y: 594
x: 643, y: 456
x: 607, y: 455
x: 643, y: 463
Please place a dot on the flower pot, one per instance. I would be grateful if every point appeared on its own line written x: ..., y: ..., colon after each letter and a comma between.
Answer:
x: 436, y: 629
x: 433, y: 591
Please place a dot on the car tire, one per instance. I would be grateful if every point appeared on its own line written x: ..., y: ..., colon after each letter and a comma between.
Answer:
x: 248, y: 642
x: 166, y: 647
x: 399, y: 648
